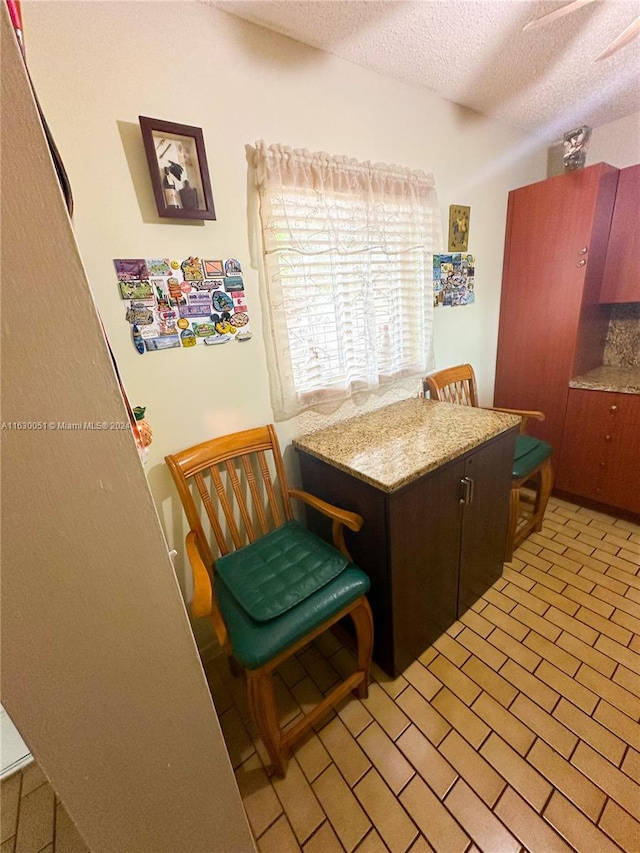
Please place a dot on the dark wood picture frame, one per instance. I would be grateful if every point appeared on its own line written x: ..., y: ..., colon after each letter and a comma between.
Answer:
x: 178, y: 167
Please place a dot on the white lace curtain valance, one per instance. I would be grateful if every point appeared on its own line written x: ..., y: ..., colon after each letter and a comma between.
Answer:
x: 347, y: 288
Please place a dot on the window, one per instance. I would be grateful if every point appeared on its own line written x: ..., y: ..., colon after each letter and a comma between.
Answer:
x: 347, y: 283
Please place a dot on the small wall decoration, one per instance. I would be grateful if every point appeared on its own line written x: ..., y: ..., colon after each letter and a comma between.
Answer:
x: 459, y: 217
x: 176, y: 306
x: 178, y: 166
x: 453, y: 279
x: 576, y: 143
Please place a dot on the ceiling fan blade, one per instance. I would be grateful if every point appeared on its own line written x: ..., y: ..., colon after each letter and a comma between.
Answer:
x: 557, y: 13
x: 631, y: 32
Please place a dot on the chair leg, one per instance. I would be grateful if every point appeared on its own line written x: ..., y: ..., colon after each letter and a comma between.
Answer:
x: 262, y: 704
x: 514, y: 509
x: 363, y: 621
x: 544, y: 493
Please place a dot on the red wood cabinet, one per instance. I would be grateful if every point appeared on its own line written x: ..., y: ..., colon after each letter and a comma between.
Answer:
x: 555, y: 251
x: 621, y: 280
x: 600, y: 455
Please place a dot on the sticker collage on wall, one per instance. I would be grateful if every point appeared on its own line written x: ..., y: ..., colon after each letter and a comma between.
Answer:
x: 453, y: 279
x: 173, y: 303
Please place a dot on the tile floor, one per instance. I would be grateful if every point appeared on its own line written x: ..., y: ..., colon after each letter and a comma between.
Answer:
x: 517, y: 731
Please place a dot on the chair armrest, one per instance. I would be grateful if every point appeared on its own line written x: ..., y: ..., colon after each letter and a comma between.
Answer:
x: 204, y: 602
x: 525, y: 414
x: 340, y: 517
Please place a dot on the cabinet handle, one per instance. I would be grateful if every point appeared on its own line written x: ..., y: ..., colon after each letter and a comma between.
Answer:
x: 583, y: 251
x: 607, y: 438
x: 467, y: 490
x: 581, y: 262
x: 613, y: 409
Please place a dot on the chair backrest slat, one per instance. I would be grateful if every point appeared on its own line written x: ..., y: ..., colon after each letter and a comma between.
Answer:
x: 268, y: 484
x: 254, y: 490
x: 453, y: 385
x: 208, y: 505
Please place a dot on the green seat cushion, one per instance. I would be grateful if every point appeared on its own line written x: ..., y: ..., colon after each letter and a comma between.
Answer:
x: 279, y: 570
x: 255, y: 643
x: 530, y: 453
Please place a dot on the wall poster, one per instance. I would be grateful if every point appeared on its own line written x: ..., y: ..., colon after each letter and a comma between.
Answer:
x: 182, y: 303
x: 453, y: 279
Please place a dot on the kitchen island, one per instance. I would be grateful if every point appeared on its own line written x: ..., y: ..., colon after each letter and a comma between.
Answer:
x: 432, y: 482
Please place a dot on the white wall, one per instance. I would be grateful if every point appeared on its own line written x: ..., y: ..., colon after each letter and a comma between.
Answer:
x: 98, y: 66
x: 616, y: 143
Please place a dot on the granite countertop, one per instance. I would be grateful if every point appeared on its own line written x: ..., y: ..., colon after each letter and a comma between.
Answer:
x: 624, y: 380
x: 390, y: 447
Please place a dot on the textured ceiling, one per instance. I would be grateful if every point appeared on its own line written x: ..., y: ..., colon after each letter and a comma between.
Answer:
x: 476, y: 54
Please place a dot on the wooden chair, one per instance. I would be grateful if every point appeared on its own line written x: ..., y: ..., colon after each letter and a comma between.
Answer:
x: 532, y: 460
x: 274, y: 586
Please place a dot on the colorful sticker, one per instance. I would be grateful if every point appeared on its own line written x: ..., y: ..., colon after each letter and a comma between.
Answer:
x: 168, y: 342
x: 221, y: 301
x: 192, y: 269
x: 453, y: 279
x: 233, y: 283
x: 158, y: 266
x: 204, y: 330
x: 134, y: 269
x: 239, y: 319
x: 188, y: 338
x: 135, y: 290
x: 202, y: 299
x: 232, y: 267
x: 139, y: 314
x: 212, y: 269
x: 222, y: 324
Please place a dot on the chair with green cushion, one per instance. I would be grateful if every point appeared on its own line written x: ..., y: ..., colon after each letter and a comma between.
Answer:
x: 274, y: 586
x: 532, y: 459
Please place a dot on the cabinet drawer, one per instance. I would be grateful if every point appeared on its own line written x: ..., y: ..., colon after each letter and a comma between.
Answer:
x: 599, y: 458
x: 604, y: 406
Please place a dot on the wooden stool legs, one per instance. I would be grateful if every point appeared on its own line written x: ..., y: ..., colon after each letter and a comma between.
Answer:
x: 261, y: 697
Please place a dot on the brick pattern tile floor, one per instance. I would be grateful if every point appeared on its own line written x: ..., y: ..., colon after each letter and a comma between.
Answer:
x: 518, y: 730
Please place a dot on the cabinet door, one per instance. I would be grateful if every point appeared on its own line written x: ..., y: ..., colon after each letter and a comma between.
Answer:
x: 583, y: 456
x: 621, y: 280
x: 424, y: 549
x: 556, y: 233
x: 369, y: 547
x: 600, y: 458
x: 485, y: 519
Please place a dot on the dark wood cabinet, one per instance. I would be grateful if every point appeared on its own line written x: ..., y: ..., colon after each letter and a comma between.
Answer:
x: 600, y: 455
x: 621, y: 279
x: 431, y: 548
x: 552, y: 326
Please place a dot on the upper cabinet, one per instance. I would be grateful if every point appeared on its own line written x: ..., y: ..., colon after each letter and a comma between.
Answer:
x: 555, y: 249
x: 621, y: 279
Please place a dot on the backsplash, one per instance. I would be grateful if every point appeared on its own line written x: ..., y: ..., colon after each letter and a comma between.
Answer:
x: 622, y: 348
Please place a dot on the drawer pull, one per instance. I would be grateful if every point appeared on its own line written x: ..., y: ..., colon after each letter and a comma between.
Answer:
x: 583, y: 251
x: 467, y: 490
x: 581, y: 262
x: 613, y: 409
x: 603, y: 464
x: 607, y: 438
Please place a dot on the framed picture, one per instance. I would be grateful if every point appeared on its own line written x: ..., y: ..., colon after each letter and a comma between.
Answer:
x: 459, y: 217
x: 178, y: 167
